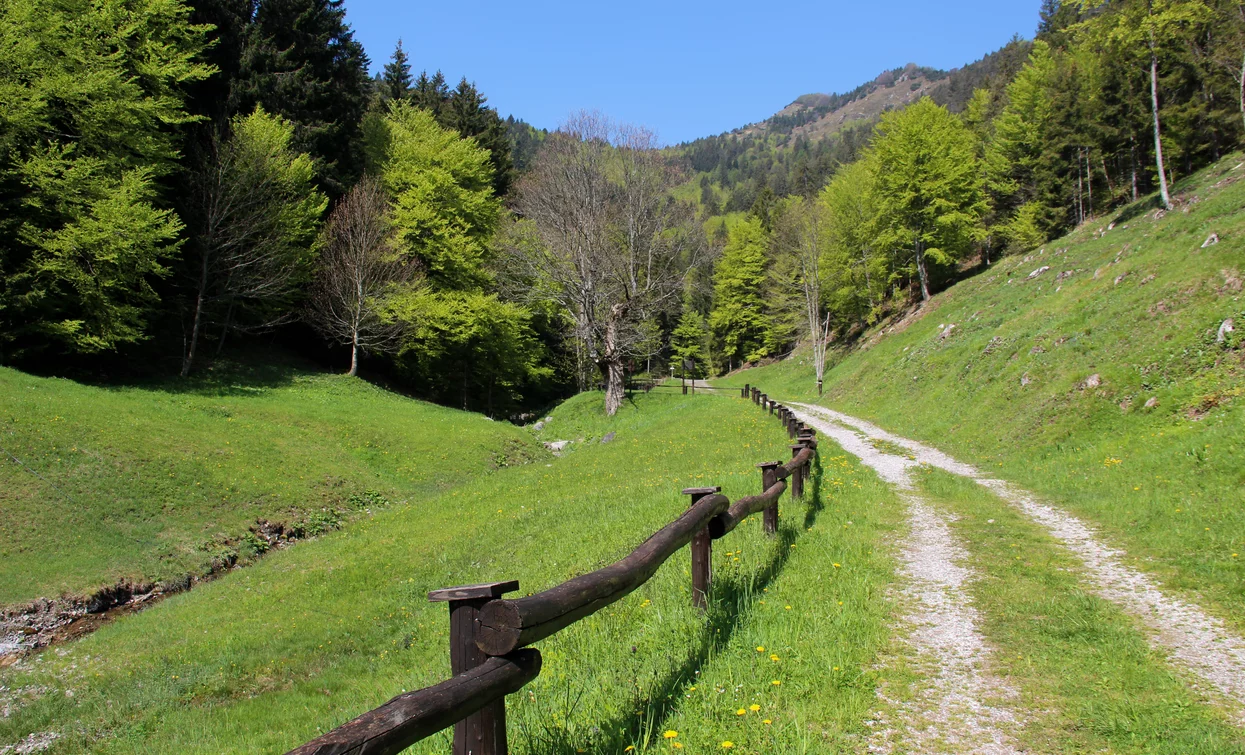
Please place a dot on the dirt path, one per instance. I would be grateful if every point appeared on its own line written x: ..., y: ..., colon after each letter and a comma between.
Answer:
x: 957, y: 705
x: 1189, y: 636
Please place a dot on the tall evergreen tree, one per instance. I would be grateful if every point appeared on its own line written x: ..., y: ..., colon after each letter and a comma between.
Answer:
x: 396, y: 78
x: 431, y: 93
x: 302, y: 62
x: 468, y: 113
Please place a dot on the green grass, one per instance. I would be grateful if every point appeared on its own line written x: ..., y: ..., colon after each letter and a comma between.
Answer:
x: 1088, y: 679
x: 149, y: 483
x: 269, y: 656
x: 1163, y: 482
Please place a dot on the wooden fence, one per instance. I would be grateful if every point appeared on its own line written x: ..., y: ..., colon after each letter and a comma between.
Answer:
x: 489, y: 634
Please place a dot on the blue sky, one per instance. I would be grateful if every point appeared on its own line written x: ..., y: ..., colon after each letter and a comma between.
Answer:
x: 684, y: 69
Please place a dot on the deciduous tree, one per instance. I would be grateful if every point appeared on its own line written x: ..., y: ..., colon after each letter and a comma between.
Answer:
x: 256, y: 214
x: 360, y: 266
x: 612, y: 246
x: 929, y: 186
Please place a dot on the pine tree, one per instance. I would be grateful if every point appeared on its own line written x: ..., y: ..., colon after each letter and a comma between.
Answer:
x: 302, y: 62
x: 467, y: 112
x: 431, y: 94
x: 396, y: 78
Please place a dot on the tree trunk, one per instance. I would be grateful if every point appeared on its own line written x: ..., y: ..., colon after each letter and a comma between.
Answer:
x: 1158, y: 138
x: 921, y: 273
x: 224, y: 332
x: 354, y: 355
x: 1243, y: 88
x: 198, y: 321
x: 1132, y: 151
x: 612, y: 363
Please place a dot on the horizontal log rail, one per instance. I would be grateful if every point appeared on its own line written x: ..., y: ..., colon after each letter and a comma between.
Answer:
x: 489, y: 633
x: 509, y: 624
x: 413, y: 716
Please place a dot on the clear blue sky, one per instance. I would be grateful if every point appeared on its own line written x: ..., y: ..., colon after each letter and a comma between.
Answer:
x: 683, y: 69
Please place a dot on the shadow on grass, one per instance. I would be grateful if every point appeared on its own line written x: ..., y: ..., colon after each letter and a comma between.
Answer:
x: 731, y: 601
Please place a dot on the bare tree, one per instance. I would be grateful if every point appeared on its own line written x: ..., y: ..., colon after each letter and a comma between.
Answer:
x: 359, y: 264
x: 256, y: 212
x: 611, y: 244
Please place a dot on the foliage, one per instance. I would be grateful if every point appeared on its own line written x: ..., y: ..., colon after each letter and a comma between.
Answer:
x: 301, y: 61
x: 929, y: 187
x: 444, y: 206
x: 87, y: 129
x: 466, y: 347
x: 257, y: 217
x: 688, y: 341
x: 738, y: 314
x: 1006, y: 389
x: 855, y: 270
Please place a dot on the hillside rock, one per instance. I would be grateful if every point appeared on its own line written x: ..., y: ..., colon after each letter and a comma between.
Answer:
x: 1091, y: 382
x: 1228, y: 326
x: 609, y: 437
x: 1038, y: 272
x: 1211, y: 240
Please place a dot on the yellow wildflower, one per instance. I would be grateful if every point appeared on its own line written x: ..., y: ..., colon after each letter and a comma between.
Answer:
x: 671, y: 734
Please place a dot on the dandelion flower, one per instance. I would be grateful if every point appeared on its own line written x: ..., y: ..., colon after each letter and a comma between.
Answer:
x: 728, y: 744
x: 670, y: 734
x: 767, y: 722
x: 754, y: 707
x: 741, y: 712
x: 760, y: 648
x: 776, y: 683
x: 774, y: 657
x: 677, y: 745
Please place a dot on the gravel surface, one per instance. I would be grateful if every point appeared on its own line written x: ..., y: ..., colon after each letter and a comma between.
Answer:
x: 958, y: 705
x: 1191, y: 638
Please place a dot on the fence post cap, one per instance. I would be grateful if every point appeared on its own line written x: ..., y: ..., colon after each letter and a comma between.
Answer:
x: 769, y: 465
x: 798, y: 447
x: 473, y: 592
x: 702, y: 491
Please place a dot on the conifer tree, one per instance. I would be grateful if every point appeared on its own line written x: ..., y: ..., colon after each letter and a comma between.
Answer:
x: 302, y: 62
x: 396, y: 78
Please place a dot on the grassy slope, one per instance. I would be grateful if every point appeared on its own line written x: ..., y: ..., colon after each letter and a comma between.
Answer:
x: 312, y: 635
x: 1164, y: 482
x: 150, y: 483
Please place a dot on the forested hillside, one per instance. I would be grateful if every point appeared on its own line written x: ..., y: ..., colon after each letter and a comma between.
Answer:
x: 211, y: 174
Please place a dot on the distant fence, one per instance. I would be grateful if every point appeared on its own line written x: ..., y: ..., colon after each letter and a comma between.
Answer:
x: 489, y: 633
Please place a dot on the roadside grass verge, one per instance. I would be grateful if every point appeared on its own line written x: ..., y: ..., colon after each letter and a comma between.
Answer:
x: 151, y: 483
x: 1087, y: 677
x: 1152, y: 454
x: 269, y: 656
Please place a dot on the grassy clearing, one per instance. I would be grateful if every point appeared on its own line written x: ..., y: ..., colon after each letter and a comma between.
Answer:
x: 149, y: 483
x: 1010, y: 391
x: 312, y: 635
x: 1084, y: 669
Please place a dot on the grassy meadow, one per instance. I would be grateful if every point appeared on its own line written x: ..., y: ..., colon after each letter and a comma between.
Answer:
x: 1154, y: 454
x: 309, y: 636
x: 151, y: 483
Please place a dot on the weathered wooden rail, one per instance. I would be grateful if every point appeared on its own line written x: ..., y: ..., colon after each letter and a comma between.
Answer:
x: 489, y: 633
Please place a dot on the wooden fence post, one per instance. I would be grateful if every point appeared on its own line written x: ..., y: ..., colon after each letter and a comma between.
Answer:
x: 797, y: 477
x: 764, y: 401
x: 771, y: 407
x: 767, y: 481
x: 483, y: 732
x: 807, y: 438
x: 744, y: 392
x: 791, y: 422
x: 702, y: 553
